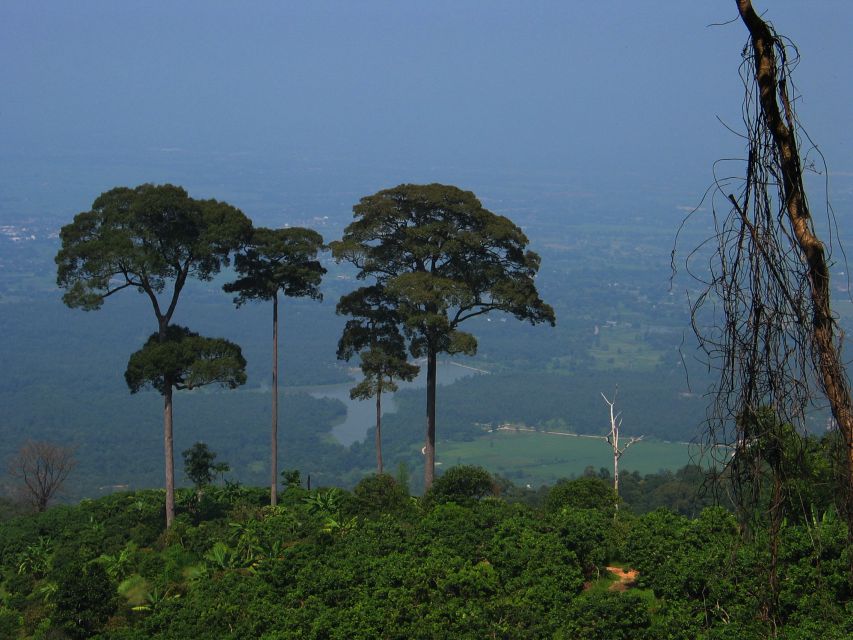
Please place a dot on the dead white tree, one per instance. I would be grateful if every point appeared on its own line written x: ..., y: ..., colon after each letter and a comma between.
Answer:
x: 613, y: 440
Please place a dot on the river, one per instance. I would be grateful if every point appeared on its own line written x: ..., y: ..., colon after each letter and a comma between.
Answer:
x: 361, y: 414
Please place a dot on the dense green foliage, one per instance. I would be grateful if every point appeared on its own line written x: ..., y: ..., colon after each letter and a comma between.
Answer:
x: 185, y: 360
x: 375, y: 563
x: 583, y: 493
x: 199, y: 465
x: 443, y: 258
x: 460, y: 484
x: 147, y: 238
x: 438, y: 258
x: 278, y: 261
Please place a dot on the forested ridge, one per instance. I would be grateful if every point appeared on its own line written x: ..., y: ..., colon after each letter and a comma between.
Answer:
x: 468, y: 560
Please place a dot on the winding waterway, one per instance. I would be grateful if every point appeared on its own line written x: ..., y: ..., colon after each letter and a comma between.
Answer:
x: 361, y: 414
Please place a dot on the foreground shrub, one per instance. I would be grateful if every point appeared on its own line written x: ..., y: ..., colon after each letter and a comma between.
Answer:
x: 582, y: 493
x: 460, y: 484
x: 378, y: 494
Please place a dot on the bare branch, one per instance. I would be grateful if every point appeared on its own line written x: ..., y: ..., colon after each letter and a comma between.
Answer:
x: 42, y: 468
x: 612, y: 439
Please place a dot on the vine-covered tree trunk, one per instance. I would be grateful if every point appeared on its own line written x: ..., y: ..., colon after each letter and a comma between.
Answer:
x: 429, y: 448
x: 782, y: 127
x: 274, y: 436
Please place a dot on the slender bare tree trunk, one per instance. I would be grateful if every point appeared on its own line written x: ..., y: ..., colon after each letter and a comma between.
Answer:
x: 379, y: 429
x: 612, y: 439
x: 830, y: 367
x: 168, y: 440
x: 429, y: 448
x: 274, y: 437
x: 616, y: 477
x: 169, y: 455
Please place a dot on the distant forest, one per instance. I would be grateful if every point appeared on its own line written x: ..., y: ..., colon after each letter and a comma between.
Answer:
x: 68, y: 384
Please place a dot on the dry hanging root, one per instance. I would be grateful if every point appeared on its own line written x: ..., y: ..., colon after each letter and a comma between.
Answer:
x: 764, y: 316
x: 777, y: 148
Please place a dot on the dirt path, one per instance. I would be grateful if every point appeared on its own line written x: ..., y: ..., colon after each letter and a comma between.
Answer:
x: 627, y: 578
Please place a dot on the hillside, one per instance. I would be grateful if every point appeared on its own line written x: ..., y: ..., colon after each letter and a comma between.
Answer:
x: 376, y: 563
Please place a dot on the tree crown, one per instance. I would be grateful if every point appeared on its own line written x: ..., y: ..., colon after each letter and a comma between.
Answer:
x: 380, y: 369
x: 443, y: 258
x: 185, y: 360
x: 276, y: 260
x: 143, y: 237
x: 374, y: 332
x: 199, y: 465
x: 375, y: 322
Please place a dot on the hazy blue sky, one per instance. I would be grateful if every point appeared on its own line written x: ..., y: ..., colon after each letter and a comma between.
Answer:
x: 377, y: 93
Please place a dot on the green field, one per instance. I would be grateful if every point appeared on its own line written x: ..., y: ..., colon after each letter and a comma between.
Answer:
x: 623, y: 347
x: 543, y: 458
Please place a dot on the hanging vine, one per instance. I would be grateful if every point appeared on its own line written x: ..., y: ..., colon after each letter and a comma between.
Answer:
x: 763, y: 317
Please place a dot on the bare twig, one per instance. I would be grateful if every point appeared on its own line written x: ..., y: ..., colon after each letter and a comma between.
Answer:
x: 42, y: 468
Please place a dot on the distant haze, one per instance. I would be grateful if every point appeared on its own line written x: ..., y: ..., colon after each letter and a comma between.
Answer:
x: 344, y: 98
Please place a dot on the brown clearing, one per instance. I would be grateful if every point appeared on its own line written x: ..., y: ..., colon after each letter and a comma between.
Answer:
x: 627, y: 578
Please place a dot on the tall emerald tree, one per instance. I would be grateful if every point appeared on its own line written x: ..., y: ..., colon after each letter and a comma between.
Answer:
x: 441, y: 258
x: 152, y: 239
x: 374, y: 333
x: 277, y: 261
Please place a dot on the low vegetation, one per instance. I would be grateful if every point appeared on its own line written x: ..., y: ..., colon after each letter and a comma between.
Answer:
x: 470, y: 560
